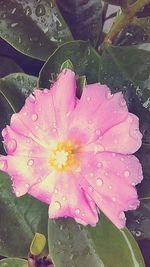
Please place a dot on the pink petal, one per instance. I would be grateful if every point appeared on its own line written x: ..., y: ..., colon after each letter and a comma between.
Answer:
x: 110, y: 180
x: 69, y: 200
x: 45, y: 114
x: 43, y: 190
x: 64, y: 96
x: 123, y: 138
x: 96, y: 112
x: 27, y: 162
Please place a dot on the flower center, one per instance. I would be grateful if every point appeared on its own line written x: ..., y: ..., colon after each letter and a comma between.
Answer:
x: 63, y: 156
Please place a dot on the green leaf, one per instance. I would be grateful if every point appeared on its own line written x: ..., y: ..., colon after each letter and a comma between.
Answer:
x: 12, y: 262
x: 66, y: 65
x: 83, y: 17
x: 81, y: 83
x: 22, y: 218
x: 32, y: 27
x: 8, y: 66
x: 144, y: 23
x: 103, y: 245
x: 14, y: 88
x: 83, y: 57
x: 37, y: 245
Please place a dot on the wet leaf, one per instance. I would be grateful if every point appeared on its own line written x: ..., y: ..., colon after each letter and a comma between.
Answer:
x: 22, y: 218
x: 13, y: 262
x: 32, y: 27
x: 84, y: 18
x: 83, y: 57
x: 70, y: 244
x: 8, y: 66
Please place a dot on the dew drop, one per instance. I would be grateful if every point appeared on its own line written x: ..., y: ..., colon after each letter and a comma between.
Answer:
x: 109, y: 95
x: 4, y: 132
x: 25, y: 113
x: 32, y: 98
x: 14, y: 25
x: 34, y: 117
x: 55, y: 191
x: 45, y: 91
x: 113, y: 154
x: 11, y: 145
x: 40, y: 10
x: 46, y: 30
x: 13, y: 11
x: 91, y: 174
x: 99, y: 164
x: 88, y: 98
x: 126, y: 173
x: 77, y: 211
x: 113, y: 199
x: 98, y: 132
x: 121, y: 215
x: 57, y: 205
x: 27, y: 186
x: 110, y: 187
x: 30, y: 162
x: 115, y: 141
x: 123, y: 102
x: 3, y: 165
x: 64, y: 198
x: 99, y: 182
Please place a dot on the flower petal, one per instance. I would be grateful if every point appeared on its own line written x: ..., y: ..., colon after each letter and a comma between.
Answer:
x: 124, y: 137
x: 96, y: 112
x: 69, y: 200
x: 110, y: 180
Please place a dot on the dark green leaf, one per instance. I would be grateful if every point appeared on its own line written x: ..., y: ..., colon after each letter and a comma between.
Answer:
x: 138, y: 221
x: 21, y: 219
x: 12, y: 262
x: 103, y: 245
x: 66, y: 65
x: 34, y: 28
x: 14, y: 88
x: 8, y: 66
x: 84, y: 18
x: 83, y: 57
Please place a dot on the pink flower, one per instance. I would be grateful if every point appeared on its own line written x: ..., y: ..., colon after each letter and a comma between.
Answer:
x: 75, y: 154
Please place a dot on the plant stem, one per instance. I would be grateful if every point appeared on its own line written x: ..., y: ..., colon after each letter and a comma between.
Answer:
x: 123, y: 20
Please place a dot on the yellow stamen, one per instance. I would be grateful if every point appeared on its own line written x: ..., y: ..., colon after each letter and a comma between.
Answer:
x: 62, y: 158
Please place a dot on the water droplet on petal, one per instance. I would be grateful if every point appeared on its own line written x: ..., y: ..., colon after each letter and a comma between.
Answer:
x: 114, y: 199
x: 113, y: 154
x: 77, y: 211
x: 115, y: 141
x: 121, y: 215
x: 98, y: 132
x: 126, y: 173
x: 123, y: 102
x: 99, y: 164
x: 25, y: 113
x: 32, y: 98
x: 88, y: 98
x: 57, y: 205
x: 4, y: 132
x: 64, y: 198
x: 55, y: 191
x: 11, y: 145
x: 34, y: 117
x: 99, y: 182
x: 110, y: 187
x: 91, y: 174
x: 109, y: 95
x: 46, y: 91
x: 3, y: 165
x: 30, y: 162
x: 27, y: 186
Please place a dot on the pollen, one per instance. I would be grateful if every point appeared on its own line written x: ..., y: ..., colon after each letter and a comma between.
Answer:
x: 62, y: 158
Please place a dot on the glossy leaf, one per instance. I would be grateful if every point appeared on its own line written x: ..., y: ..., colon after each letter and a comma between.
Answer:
x: 12, y: 262
x: 14, y: 88
x: 83, y: 57
x: 22, y: 218
x: 84, y: 18
x: 34, y: 28
x: 8, y: 66
x: 103, y: 245
x: 37, y: 245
